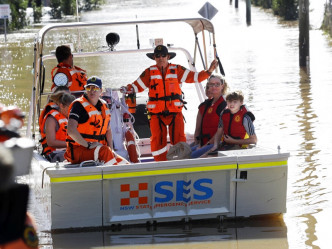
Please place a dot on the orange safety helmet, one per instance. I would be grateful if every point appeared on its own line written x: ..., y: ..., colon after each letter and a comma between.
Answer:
x: 12, y: 112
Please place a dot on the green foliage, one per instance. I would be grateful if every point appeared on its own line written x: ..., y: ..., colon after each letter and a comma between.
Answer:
x: 37, y: 11
x: 91, y: 4
x: 18, y: 15
x: 288, y: 9
x: 55, y: 9
x: 68, y: 7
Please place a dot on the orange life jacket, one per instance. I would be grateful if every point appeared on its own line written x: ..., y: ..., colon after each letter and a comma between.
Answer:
x: 48, y: 107
x: 76, y: 76
x: 165, y: 94
x: 233, y: 123
x: 94, y: 130
x: 210, y: 118
x: 60, y: 133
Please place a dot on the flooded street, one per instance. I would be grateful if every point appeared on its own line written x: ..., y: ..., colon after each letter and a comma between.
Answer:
x: 291, y: 106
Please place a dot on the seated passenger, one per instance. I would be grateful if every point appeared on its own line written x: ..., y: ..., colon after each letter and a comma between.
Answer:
x: 65, y: 73
x: 209, y: 114
x: 235, y: 125
x: 53, y: 129
x: 89, y: 132
x: 50, y: 105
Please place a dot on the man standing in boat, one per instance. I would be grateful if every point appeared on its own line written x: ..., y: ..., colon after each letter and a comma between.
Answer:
x: 65, y: 73
x: 165, y: 98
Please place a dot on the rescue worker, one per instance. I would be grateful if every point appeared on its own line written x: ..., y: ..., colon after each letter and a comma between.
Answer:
x: 11, y: 120
x: 236, y: 126
x: 53, y: 129
x: 17, y: 227
x: 165, y: 98
x: 65, y: 73
x: 208, y: 115
x: 89, y: 135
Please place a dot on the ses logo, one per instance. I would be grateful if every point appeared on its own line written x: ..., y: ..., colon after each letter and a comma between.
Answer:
x: 166, y: 194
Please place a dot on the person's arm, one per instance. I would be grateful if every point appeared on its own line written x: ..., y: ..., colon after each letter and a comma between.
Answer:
x: 109, y: 138
x: 50, y: 131
x: 185, y: 75
x: 142, y: 83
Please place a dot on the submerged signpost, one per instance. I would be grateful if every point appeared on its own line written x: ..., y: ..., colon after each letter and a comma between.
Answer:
x: 4, y: 14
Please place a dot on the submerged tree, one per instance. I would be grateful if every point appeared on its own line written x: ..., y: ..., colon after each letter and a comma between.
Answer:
x: 286, y: 8
x: 55, y: 9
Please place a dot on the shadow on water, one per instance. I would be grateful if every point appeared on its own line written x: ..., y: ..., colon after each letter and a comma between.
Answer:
x: 307, y: 151
x: 262, y: 231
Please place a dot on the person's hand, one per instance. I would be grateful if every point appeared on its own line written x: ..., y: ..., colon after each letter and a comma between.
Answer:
x: 123, y: 89
x: 127, y: 90
x: 229, y: 139
x: 213, y: 66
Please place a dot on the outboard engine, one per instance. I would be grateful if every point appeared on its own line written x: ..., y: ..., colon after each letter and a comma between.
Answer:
x: 112, y: 40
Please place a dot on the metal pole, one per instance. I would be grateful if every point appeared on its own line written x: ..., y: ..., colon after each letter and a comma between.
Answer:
x: 5, y: 30
x: 304, y: 33
x: 248, y: 12
x: 236, y: 4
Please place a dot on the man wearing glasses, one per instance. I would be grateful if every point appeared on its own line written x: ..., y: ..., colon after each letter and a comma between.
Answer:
x: 89, y: 135
x: 165, y: 98
x: 65, y: 73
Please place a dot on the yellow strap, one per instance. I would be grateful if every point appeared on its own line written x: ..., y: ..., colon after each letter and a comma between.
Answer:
x: 76, y: 178
x: 262, y: 165
x: 170, y: 171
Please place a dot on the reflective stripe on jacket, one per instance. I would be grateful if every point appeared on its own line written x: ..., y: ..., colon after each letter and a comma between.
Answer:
x: 76, y: 76
x: 164, y: 93
x: 60, y: 133
x: 94, y: 130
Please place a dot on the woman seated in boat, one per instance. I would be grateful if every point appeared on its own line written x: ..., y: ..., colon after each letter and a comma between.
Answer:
x: 89, y: 134
x: 236, y: 129
x: 53, y: 128
x: 209, y: 114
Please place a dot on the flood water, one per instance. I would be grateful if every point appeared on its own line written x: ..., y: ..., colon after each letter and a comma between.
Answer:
x: 291, y: 106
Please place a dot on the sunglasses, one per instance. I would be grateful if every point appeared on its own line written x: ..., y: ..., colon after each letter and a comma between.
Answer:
x: 160, y: 55
x: 92, y: 88
x: 213, y: 84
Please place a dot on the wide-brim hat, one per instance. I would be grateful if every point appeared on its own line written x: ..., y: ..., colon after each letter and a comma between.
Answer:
x: 161, y: 49
x: 94, y: 81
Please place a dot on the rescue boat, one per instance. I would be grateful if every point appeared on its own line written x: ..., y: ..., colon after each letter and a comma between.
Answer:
x: 235, y: 183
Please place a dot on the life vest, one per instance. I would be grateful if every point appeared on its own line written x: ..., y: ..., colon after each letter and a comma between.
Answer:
x: 60, y: 133
x: 94, y: 130
x: 233, y: 123
x: 131, y: 102
x: 165, y: 95
x: 210, y: 118
x: 76, y: 76
x: 49, y: 106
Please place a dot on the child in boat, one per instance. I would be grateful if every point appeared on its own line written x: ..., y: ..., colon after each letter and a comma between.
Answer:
x: 236, y: 129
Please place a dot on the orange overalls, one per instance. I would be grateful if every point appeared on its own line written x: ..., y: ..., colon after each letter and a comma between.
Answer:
x: 94, y: 130
x: 165, y: 104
